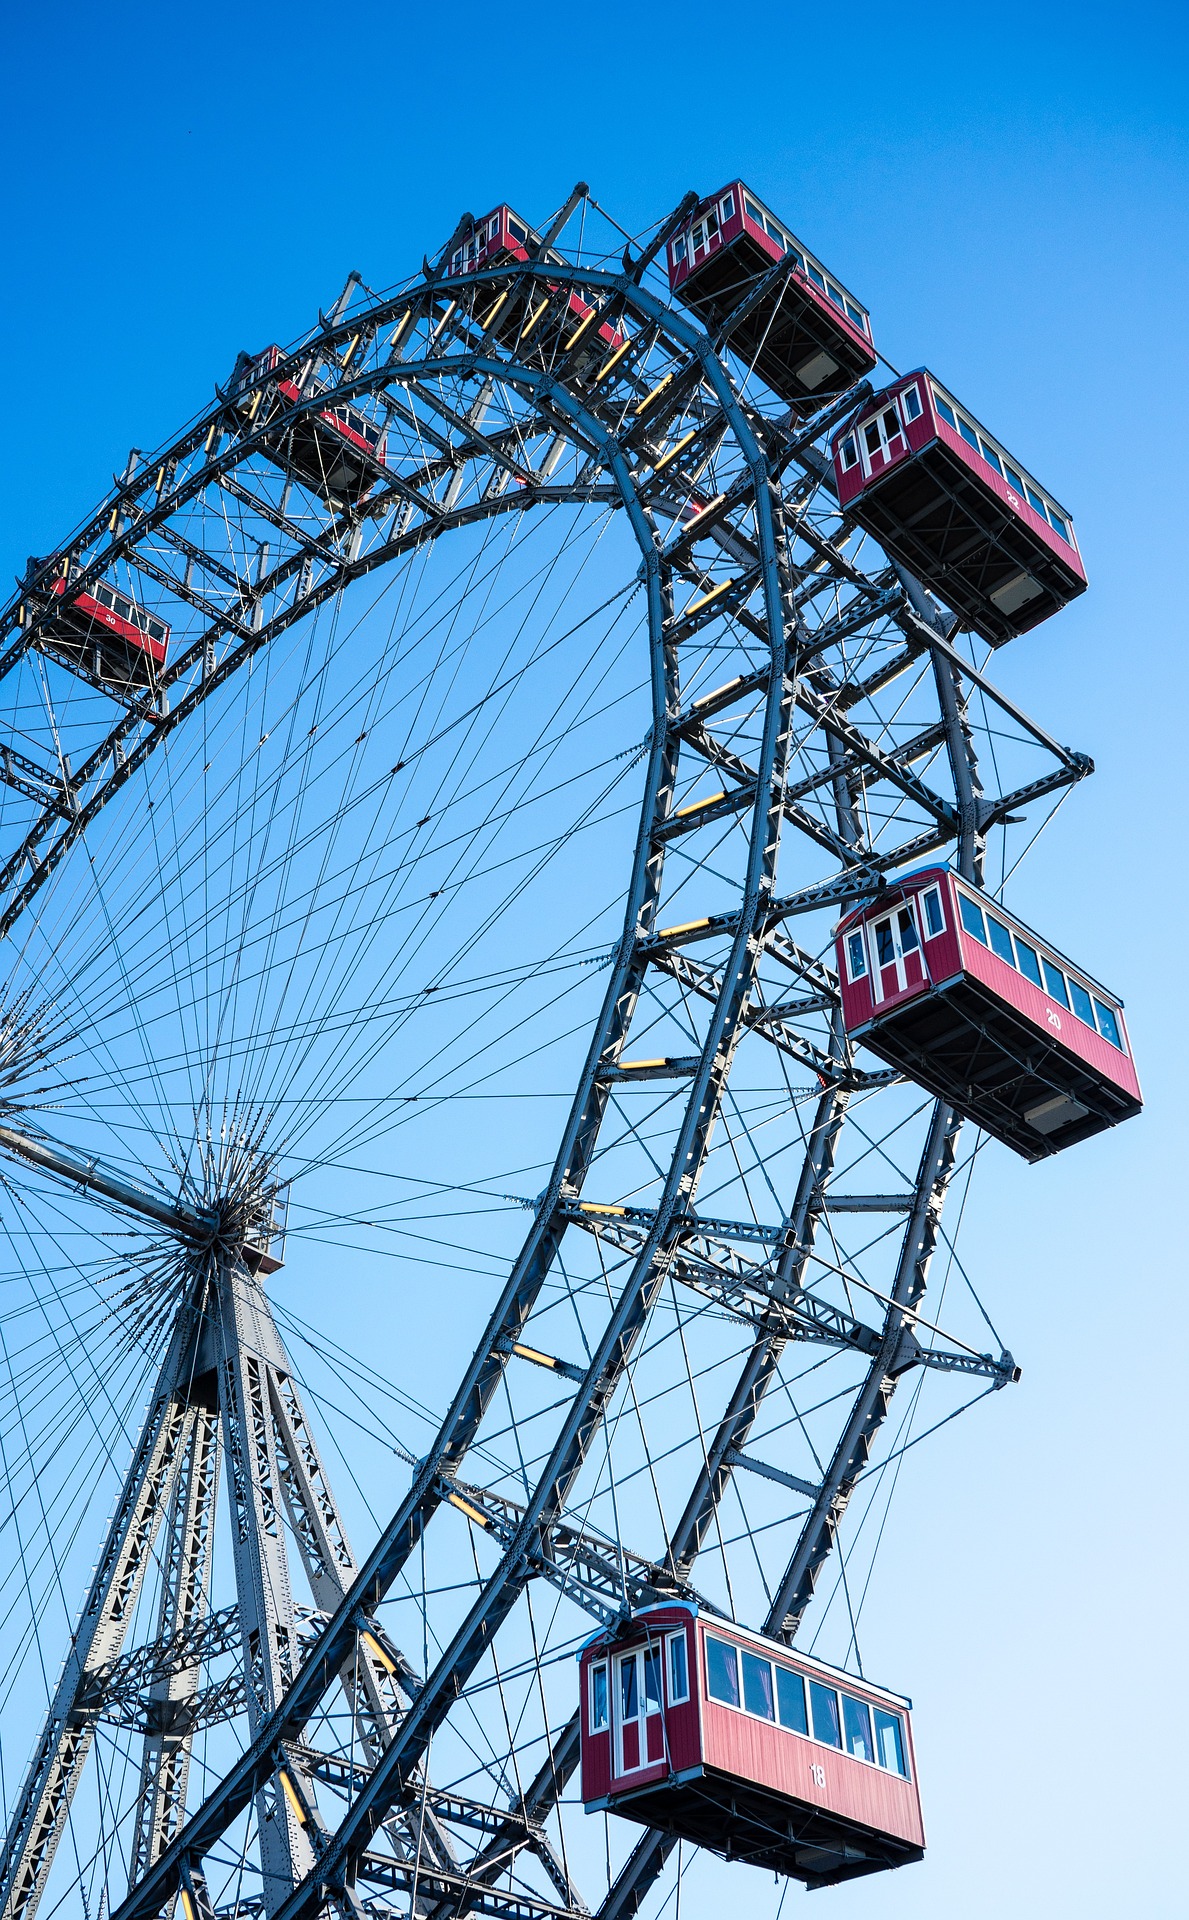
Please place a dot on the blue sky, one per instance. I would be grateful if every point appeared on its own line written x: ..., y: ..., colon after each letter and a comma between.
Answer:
x: 1006, y: 188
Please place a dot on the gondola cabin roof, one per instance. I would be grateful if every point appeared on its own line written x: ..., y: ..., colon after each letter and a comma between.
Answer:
x: 737, y: 266
x: 942, y: 495
x: 951, y: 988
x: 715, y: 1734
x: 500, y: 233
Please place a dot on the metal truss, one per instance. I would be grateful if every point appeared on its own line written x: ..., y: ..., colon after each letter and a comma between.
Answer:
x: 494, y: 401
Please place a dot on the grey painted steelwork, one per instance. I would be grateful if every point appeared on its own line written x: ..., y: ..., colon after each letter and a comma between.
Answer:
x: 639, y: 432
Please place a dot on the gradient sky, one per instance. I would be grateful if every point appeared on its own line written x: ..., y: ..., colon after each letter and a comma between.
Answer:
x: 1006, y: 188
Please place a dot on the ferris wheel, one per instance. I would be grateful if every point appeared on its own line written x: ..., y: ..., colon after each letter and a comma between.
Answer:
x: 503, y: 831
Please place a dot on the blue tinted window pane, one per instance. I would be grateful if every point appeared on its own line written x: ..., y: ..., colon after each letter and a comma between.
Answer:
x: 1055, y: 982
x: 1108, y: 1026
x: 598, y: 1699
x: 818, y: 278
x: 883, y: 943
x: 727, y: 209
x: 856, y: 957
x: 852, y: 313
x: 1034, y: 500
x: 628, y: 1699
x: 790, y: 1699
x: 825, y: 1714
x: 908, y: 931
x: 889, y: 1742
x: 945, y: 410
x: 835, y: 296
x: 967, y: 432
x: 972, y: 917
x: 990, y: 456
x: 652, y: 1680
x: 722, y: 1671
x: 757, y: 1686
x: 678, y: 1669
x: 1000, y: 939
x: 856, y: 1727
x: 912, y: 404
x: 1058, y: 525
x: 934, y: 918
x: 1081, y: 1003
x: 850, y: 452
x: 753, y: 212
x: 1029, y: 963
x: 1013, y: 478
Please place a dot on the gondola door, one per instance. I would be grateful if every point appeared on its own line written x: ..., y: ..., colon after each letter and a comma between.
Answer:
x: 896, y: 953
x: 639, y: 1719
x: 883, y: 439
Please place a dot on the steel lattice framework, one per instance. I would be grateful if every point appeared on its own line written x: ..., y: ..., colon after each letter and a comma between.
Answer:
x: 778, y: 647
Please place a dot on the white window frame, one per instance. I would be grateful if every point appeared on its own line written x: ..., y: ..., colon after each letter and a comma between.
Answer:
x: 723, y: 1641
x: 727, y: 201
x: 593, y: 1725
x: 922, y: 920
x: 892, y: 1713
x: 851, y: 975
x: 876, y: 419
x: 857, y: 317
x: 1116, y: 1014
x: 676, y: 1699
x: 905, y: 415
x: 850, y: 441
x: 899, y: 962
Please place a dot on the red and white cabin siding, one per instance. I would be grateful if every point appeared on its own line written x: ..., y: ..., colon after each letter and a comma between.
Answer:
x: 706, y: 1730
x: 107, y: 609
x: 502, y: 237
x: 947, y: 984
x: 811, y: 337
x: 944, y: 496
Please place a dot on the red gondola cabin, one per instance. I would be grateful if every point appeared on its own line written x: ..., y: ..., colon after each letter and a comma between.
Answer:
x: 944, y: 497
x: 943, y: 983
x: 104, y: 631
x: 531, y: 318
x: 337, y: 451
x: 806, y: 336
x: 716, y: 1735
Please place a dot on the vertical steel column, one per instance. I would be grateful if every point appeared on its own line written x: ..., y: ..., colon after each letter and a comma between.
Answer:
x: 69, y: 1730
x: 267, y: 1618
x: 183, y: 1603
